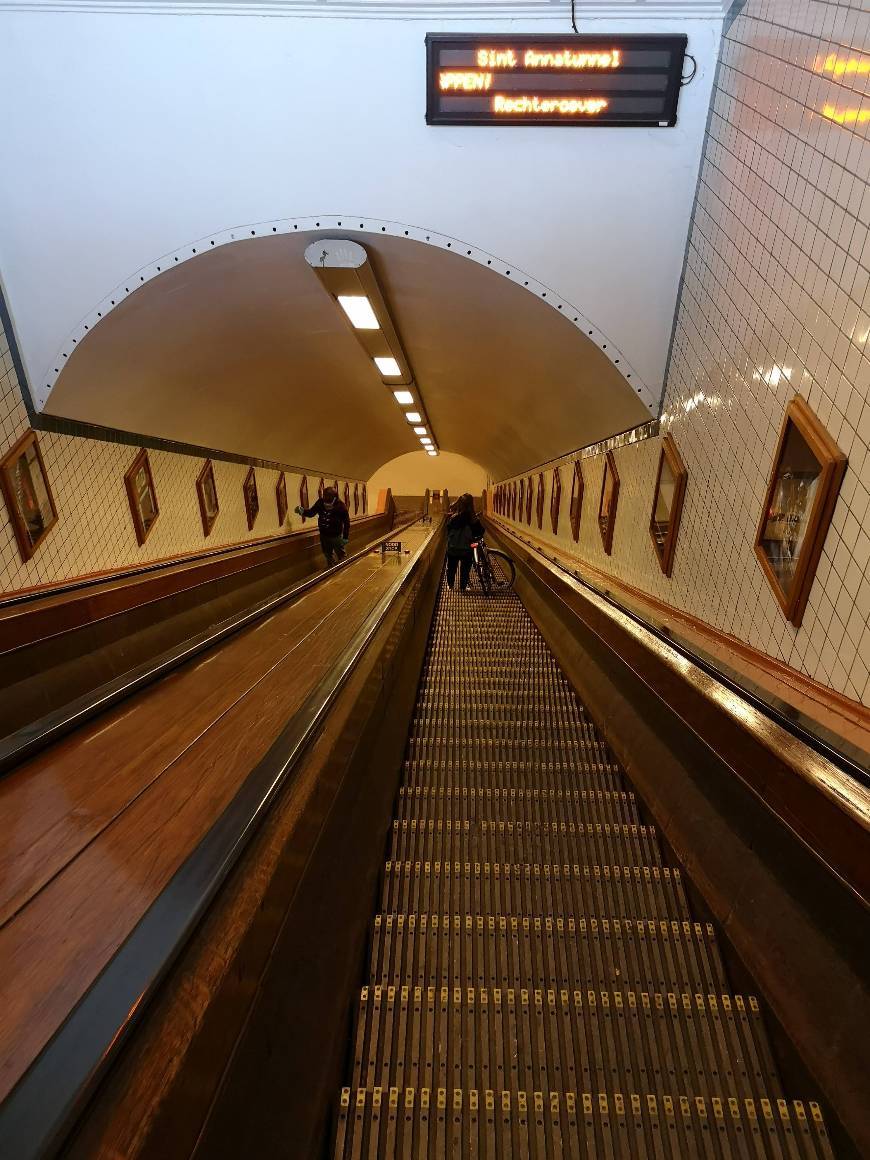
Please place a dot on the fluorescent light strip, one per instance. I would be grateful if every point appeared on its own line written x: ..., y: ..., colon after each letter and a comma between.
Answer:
x: 404, y: 397
x: 419, y: 430
x: 359, y: 310
x: 388, y: 366
x: 413, y: 416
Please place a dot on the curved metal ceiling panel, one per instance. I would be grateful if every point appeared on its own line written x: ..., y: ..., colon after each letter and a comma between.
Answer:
x: 242, y: 349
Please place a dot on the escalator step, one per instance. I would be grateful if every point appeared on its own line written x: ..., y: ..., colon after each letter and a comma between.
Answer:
x: 475, y: 951
x: 531, y: 805
x: 466, y: 771
x: 426, y: 1124
x: 569, y: 891
x: 525, y: 842
x: 535, y: 1040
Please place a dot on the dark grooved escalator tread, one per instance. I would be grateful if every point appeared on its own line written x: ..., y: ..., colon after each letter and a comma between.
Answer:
x: 532, y: 944
x: 487, y: 1125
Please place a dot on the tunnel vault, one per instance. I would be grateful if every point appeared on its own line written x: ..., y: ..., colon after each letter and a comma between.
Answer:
x: 230, y: 343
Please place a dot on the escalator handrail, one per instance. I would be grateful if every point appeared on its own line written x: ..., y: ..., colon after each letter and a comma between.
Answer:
x: 39, y: 1112
x: 30, y: 739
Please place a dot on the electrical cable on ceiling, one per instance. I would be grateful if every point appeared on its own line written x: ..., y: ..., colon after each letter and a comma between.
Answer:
x: 574, y: 18
x: 688, y: 80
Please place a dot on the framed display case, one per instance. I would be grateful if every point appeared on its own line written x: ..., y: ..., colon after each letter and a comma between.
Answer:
x: 529, y: 501
x: 608, y: 502
x: 281, y: 499
x: 355, y: 498
x: 539, y: 501
x: 576, y: 509
x: 144, y: 508
x: 27, y: 494
x: 556, y: 500
x: 252, y: 500
x: 664, y: 521
x: 206, y: 491
x: 808, y: 469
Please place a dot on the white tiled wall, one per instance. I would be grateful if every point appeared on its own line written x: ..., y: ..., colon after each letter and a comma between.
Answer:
x: 775, y: 301
x: 94, y: 532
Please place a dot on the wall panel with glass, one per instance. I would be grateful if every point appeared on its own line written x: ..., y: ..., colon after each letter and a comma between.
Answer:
x: 664, y: 524
x: 608, y: 502
x: 576, y: 509
x: 807, y: 472
x: 206, y: 491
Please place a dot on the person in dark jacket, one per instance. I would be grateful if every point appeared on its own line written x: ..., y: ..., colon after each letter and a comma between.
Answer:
x: 333, y: 523
x: 463, y: 528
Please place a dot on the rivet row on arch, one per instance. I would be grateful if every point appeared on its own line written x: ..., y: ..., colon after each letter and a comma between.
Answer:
x: 370, y: 225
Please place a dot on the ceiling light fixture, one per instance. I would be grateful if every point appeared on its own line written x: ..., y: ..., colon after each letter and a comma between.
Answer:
x: 431, y: 452
x: 359, y: 310
x: 419, y: 430
x: 344, y: 269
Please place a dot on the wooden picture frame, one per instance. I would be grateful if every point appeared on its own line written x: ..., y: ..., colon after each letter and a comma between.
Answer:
x: 556, y: 500
x: 206, y: 490
x: 252, y: 499
x: 608, y: 502
x: 802, y: 491
x: 667, y: 505
x: 28, y: 495
x: 281, y: 498
x: 575, y: 510
x: 142, y: 496
x: 529, y: 501
x: 539, y: 501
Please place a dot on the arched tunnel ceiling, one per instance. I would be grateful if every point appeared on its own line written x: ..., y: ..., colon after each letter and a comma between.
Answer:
x: 242, y: 350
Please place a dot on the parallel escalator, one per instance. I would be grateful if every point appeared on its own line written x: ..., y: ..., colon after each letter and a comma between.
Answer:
x: 538, y: 984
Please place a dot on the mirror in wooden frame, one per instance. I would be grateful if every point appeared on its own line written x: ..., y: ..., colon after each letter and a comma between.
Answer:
x: 808, y: 469
x: 28, y: 495
x: 670, y: 489
x: 608, y: 502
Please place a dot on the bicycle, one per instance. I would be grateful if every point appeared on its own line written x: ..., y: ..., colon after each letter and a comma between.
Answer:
x: 495, y: 570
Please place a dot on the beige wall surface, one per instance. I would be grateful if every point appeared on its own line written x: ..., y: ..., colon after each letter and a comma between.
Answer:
x: 94, y: 532
x: 411, y: 474
x: 774, y: 302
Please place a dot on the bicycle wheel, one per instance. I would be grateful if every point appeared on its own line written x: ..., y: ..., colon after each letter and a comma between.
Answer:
x: 503, y: 570
x: 484, y: 573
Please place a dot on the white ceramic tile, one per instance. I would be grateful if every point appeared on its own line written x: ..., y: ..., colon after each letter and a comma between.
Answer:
x: 777, y: 276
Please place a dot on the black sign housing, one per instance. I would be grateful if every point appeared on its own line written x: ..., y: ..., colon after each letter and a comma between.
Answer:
x: 618, y: 81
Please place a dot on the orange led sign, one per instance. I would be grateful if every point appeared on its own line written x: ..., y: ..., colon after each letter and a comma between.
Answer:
x: 552, y: 80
